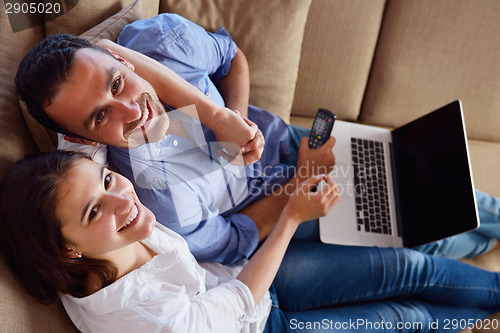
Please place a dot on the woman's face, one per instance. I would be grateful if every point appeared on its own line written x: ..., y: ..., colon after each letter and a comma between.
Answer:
x: 100, y: 212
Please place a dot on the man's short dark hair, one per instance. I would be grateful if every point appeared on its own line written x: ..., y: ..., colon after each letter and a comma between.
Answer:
x: 42, y: 71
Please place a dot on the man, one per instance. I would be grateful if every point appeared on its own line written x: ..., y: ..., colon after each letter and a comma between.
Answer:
x: 97, y: 99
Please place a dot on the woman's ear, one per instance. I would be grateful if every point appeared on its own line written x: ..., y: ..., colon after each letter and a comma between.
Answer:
x: 123, y: 60
x: 71, y: 252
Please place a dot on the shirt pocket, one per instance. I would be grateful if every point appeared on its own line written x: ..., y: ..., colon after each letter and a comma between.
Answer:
x: 186, y: 204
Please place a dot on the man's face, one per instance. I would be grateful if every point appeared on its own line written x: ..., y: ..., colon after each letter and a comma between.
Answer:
x: 105, y: 101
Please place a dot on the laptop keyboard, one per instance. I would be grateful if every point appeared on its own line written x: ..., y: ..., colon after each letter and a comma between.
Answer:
x: 370, y: 184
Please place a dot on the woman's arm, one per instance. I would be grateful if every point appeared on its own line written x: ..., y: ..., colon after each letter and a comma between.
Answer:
x: 302, y: 206
x: 173, y: 90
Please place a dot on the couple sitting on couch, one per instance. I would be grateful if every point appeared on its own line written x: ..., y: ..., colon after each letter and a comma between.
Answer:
x: 115, y: 270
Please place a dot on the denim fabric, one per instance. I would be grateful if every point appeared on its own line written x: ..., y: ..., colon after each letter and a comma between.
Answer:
x: 446, y: 289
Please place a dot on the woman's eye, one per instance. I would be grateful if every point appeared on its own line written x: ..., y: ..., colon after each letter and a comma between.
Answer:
x: 93, y: 212
x: 107, y: 181
x: 116, y: 85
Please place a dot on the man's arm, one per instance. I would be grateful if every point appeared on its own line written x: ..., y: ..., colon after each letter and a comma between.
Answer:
x: 227, y: 125
x: 235, y: 86
x: 223, y: 239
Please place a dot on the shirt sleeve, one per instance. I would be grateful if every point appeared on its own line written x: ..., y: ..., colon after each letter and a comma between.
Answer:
x: 181, y: 45
x: 227, y: 307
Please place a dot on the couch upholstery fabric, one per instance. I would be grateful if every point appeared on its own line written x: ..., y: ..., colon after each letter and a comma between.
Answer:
x: 339, y: 42
x: 272, y: 47
x: 432, y: 52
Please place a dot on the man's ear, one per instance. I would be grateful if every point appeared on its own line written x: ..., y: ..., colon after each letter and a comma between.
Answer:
x: 123, y: 60
x: 81, y: 141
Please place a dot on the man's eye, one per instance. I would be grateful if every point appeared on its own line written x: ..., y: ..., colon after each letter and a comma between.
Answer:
x: 99, y: 117
x: 93, y: 212
x: 116, y: 85
x: 107, y: 181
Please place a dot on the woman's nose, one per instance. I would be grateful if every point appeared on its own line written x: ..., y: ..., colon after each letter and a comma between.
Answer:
x: 121, y: 203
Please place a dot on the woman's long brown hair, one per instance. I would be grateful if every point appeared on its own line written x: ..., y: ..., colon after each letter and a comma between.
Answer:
x: 30, y: 233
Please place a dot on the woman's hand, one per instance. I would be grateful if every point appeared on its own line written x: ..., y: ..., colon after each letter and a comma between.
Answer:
x: 303, y: 205
x: 306, y: 204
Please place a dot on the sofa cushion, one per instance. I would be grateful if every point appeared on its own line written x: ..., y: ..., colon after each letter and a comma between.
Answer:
x: 110, y: 28
x: 485, y: 159
x: 15, y: 141
x: 22, y: 313
x: 85, y: 15
x: 337, y: 52
x: 432, y: 52
x: 272, y: 46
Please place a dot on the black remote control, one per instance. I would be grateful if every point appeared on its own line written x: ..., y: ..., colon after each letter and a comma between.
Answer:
x: 321, y: 128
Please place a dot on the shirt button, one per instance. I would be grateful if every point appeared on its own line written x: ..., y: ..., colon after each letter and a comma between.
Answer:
x: 158, y: 151
x: 175, y: 143
x: 208, y: 94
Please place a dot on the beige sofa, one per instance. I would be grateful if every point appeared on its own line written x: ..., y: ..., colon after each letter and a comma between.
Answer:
x: 381, y: 62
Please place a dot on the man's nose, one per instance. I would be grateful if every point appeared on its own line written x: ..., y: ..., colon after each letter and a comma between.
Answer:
x: 128, y: 111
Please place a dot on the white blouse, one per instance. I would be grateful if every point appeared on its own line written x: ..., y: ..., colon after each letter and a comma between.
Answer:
x: 171, y: 293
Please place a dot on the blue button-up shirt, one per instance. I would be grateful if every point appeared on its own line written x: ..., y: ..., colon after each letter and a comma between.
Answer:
x: 189, y: 187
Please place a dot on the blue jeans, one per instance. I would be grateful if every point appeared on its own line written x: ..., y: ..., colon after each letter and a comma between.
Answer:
x: 315, y: 278
x: 466, y: 245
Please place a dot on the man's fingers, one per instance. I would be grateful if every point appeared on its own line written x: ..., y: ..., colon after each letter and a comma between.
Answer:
x: 253, y: 127
x: 330, y: 142
x: 257, y: 142
x: 252, y: 157
x: 233, y: 159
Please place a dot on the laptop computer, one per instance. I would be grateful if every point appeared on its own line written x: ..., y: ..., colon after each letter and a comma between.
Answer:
x: 405, y: 187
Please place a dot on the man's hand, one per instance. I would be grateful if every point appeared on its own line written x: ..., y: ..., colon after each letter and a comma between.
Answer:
x: 254, y: 149
x: 312, y: 162
x: 239, y: 135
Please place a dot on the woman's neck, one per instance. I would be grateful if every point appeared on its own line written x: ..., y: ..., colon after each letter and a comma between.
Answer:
x: 141, y: 255
x: 138, y: 254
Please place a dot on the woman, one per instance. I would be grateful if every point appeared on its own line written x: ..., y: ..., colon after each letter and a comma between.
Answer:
x: 72, y: 227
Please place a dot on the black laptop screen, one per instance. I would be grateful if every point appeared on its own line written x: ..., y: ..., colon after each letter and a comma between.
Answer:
x: 432, y: 177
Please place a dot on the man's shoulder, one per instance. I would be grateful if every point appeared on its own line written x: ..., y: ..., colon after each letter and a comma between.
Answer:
x: 162, y: 25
